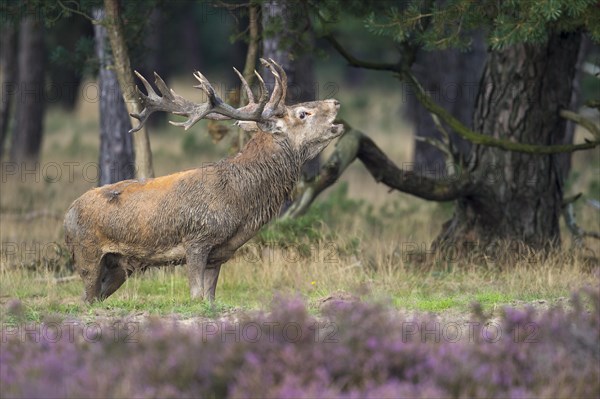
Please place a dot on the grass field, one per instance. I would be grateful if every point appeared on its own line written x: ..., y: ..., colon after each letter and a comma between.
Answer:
x: 359, y: 239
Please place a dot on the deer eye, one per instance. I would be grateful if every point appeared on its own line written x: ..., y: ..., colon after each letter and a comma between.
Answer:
x: 304, y: 114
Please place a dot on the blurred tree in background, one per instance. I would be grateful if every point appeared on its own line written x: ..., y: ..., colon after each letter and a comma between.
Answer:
x: 8, y: 66
x: 29, y: 97
x: 116, y: 146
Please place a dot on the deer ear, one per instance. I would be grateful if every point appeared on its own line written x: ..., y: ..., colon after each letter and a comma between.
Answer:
x: 270, y: 126
x: 247, y: 126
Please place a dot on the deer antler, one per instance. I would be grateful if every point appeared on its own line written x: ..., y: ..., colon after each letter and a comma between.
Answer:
x: 215, y: 108
x: 276, y: 104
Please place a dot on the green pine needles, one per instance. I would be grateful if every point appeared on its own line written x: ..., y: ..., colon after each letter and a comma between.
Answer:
x: 440, y: 25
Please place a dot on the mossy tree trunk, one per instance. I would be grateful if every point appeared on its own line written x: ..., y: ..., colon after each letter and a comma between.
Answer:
x: 517, y: 196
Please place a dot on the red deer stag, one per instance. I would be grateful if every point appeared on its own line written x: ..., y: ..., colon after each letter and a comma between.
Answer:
x: 198, y: 217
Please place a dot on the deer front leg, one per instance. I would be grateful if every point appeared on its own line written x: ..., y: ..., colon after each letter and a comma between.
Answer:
x: 196, y: 263
x: 211, y: 275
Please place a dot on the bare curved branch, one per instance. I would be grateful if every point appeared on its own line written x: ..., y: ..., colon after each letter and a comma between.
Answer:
x: 578, y: 233
x: 581, y: 120
x: 355, y: 144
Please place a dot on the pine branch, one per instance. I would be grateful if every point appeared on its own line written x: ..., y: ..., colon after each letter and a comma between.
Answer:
x: 77, y: 11
x: 355, y: 62
x: 482, y: 139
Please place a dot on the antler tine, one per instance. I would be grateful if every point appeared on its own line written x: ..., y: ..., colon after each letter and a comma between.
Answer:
x: 275, y: 101
x: 283, y: 77
x: 147, y: 85
x: 251, y: 111
x: 144, y: 100
x: 264, y: 93
x: 206, y: 87
x: 162, y: 86
x: 245, y: 85
x: 169, y: 102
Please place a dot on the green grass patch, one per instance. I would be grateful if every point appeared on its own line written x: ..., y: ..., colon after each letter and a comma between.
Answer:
x: 435, y: 305
x: 165, y: 292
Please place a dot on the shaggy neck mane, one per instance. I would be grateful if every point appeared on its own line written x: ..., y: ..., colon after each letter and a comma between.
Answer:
x: 265, y: 173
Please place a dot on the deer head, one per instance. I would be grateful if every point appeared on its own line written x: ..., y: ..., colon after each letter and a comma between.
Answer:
x: 308, y: 127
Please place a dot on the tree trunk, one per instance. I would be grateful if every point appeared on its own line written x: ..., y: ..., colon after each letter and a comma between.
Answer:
x: 285, y: 48
x: 452, y: 79
x: 518, y: 196
x: 191, y: 43
x: 114, y: 27
x: 8, y: 65
x: 248, y: 72
x: 154, y: 59
x: 282, y: 22
x: 29, y: 100
x: 116, y: 147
